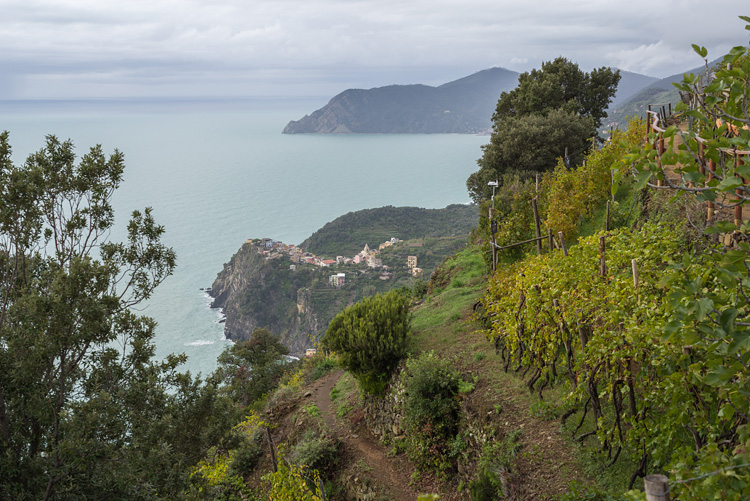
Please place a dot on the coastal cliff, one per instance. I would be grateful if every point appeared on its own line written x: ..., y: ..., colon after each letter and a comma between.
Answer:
x: 295, y: 293
x: 256, y: 290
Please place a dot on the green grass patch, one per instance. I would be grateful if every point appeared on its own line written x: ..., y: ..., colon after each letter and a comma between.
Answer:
x: 311, y: 410
x: 343, y: 409
x: 344, y: 392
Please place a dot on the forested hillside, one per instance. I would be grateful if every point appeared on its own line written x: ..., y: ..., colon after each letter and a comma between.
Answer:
x: 348, y: 234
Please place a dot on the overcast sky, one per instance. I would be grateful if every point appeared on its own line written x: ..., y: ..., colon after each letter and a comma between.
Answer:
x: 113, y: 48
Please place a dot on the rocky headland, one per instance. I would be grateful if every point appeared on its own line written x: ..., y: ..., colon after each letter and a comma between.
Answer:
x: 463, y: 106
x: 294, y: 291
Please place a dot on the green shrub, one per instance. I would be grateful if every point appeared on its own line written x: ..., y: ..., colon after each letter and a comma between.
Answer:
x: 316, y: 452
x: 432, y: 386
x: 467, y: 386
x: 245, y: 459
x: 370, y: 338
x: 335, y: 394
x: 431, y: 411
x: 343, y: 409
x: 419, y: 289
x: 249, y: 369
x: 497, y: 458
x: 321, y: 366
x: 486, y: 486
x: 312, y: 410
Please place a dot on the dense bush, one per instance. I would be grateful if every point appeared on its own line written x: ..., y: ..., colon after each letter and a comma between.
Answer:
x: 370, y: 338
x: 315, y: 451
x: 249, y: 369
x: 419, y: 289
x: 288, y: 482
x: 247, y: 453
x: 493, y: 465
x: 431, y: 410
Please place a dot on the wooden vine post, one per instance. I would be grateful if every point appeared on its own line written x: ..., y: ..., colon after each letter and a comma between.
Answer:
x: 602, y: 258
x: 660, y: 149
x: 656, y: 487
x: 712, y: 169
x: 738, y: 193
x: 538, y: 226
x: 272, y: 448
x: 634, y: 264
x: 493, y: 229
x: 562, y: 243
x: 606, y: 220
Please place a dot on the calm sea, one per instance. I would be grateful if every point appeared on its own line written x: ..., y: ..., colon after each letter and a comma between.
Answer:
x: 218, y: 172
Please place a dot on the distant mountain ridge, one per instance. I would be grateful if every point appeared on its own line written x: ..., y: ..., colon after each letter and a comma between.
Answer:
x: 463, y: 106
x: 659, y: 92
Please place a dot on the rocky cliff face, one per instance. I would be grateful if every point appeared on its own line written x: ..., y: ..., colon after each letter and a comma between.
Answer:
x: 464, y: 106
x: 260, y: 291
x: 259, y: 288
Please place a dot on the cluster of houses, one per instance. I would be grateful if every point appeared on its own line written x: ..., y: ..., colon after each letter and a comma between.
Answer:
x: 273, y: 249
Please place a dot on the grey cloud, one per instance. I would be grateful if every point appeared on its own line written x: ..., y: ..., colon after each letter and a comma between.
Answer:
x: 285, y: 45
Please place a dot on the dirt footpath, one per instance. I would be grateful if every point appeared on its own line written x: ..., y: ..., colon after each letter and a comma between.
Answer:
x: 391, y: 476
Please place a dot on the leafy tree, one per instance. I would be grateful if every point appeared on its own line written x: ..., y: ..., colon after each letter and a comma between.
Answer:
x: 560, y: 85
x: 370, y: 338
x: 554, y: 108
x: 248, y: 369
x: 84, y: 411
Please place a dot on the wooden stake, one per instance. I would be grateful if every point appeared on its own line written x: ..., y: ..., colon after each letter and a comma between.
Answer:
x: 492, y: 236
x: 656, y: 487
x: 273, y: 450
x: 660, y: 149
x: 634, y: 263
x: 738, y: 193
x: 538, y: 225
x: 581, y: 331
x: 606, y: 221
x: 712, y: 169
x: 494, y: 253
x: 562, y: 243
x: 551, y: 240
x: 602, y: 258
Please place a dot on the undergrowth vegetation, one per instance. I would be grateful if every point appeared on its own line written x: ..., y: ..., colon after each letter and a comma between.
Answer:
x: 431, y: 411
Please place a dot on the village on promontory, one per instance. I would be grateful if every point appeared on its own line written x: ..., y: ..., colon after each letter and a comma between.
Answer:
x: 274, y: 249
